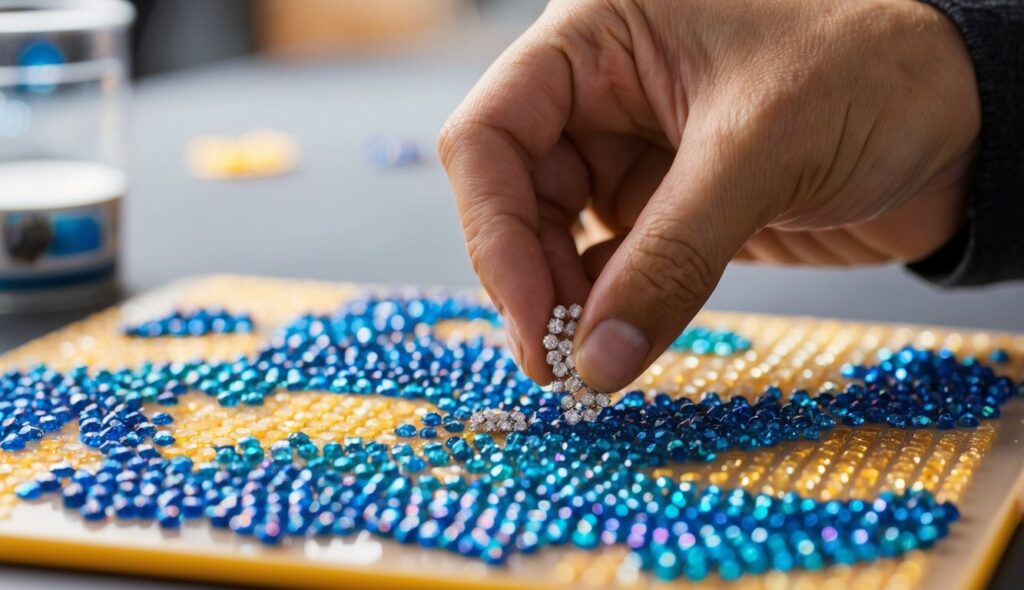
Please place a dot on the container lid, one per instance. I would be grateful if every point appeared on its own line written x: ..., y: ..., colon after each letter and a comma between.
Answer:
x: 60, y: 16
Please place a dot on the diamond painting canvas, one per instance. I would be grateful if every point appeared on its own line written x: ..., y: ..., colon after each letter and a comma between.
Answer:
x: 292, y: 433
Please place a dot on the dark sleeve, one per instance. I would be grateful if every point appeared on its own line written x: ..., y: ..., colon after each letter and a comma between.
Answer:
x: 990, y: 247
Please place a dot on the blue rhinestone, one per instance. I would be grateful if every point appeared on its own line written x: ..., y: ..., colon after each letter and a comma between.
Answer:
x: 29, y: 491
x: 162, y: 419
x: 453, y: 426
x: 968, y: 421
x: 163, y: 439
x: 999, y: 355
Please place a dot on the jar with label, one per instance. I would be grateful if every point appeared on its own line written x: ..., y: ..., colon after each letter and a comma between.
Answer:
x: 63, y: 85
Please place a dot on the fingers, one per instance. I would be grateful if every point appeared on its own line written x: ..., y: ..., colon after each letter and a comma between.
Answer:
x: 513, y: 116
x: 562, y: 185
x: 596, y: 257
x: 622, y: 196
x: 703, y: 212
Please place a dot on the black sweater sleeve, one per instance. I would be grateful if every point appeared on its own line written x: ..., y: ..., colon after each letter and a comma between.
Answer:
x: 990, y: 247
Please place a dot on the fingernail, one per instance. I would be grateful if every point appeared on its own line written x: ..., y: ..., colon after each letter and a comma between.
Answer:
x: 611, y: 355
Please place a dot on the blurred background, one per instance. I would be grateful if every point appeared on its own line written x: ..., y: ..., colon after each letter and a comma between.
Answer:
x: 174, y: 34
x: 331, y: 75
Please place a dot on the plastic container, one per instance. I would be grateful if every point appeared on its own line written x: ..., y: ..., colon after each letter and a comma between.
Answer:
x: 63, y: 93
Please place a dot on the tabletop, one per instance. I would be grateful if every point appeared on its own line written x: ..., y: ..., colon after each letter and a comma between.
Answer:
x: 338, y: 217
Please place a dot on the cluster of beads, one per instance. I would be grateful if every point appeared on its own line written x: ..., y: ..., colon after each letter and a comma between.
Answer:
x: 498, y: 421
x: 385, y: 346
x: 700, y: 340
x: 199, y: 322
x: 524, y: 495
x: 579, y: 402
x: 920, y: 388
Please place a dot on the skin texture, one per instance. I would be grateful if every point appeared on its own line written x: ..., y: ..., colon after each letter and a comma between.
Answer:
x: 694, y: 132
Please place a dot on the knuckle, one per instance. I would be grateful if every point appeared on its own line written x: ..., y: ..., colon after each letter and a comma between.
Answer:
x: 762, y: 116
x: 477, y: 246
x: 674, y: 268
x: 452, y: 134
x: 482, y: 232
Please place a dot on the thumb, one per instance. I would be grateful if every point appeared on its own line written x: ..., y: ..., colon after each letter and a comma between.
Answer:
x: 700, y: 216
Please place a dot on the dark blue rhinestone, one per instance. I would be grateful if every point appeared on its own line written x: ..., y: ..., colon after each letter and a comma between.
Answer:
x: 968, y: 421
x: 163, y: 439
x: 162, y: 419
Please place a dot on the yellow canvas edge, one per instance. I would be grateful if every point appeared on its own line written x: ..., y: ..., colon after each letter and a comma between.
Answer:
x: 224, y: 569
x: 1010, y: 518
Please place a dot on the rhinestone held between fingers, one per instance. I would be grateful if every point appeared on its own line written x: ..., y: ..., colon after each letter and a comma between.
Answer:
x: 563, y: 366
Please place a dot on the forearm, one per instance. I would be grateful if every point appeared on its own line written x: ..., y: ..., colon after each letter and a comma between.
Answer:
x: 990, y: 247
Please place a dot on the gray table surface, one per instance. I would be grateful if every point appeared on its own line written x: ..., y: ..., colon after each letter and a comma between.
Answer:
x: 339, y: 218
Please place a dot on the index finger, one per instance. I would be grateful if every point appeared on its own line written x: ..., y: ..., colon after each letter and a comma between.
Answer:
x: 512, y: 117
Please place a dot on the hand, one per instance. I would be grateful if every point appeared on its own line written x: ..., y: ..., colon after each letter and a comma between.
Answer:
x: 834, y: 132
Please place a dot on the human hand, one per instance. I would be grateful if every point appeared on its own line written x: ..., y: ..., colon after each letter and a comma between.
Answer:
x: 836, y: 132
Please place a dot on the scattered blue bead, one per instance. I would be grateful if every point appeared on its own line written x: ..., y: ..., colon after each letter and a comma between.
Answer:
x: 163, y: 439
x: 12, y: 442
x: 29, y: 491
x: 453, y: 426
x: 968, y: 421
x: 406, y: 430
x: 162, y: 419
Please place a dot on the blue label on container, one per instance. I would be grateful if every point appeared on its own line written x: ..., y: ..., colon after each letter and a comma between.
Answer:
x: 76, y: 233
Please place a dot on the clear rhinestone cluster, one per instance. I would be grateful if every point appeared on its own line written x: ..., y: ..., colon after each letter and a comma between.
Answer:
x: 579, y: 403
x: 498, y: 421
